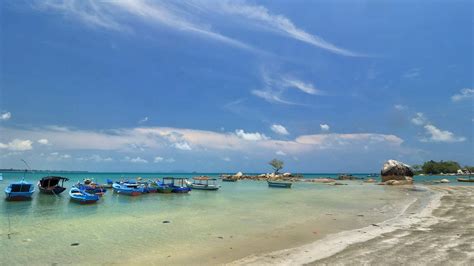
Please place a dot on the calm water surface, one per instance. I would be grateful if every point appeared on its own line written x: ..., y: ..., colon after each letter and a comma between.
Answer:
x: 245, y: 216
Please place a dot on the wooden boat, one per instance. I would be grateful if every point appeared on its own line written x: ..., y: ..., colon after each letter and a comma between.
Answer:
x: 128, y: 188
x: 19, y: 191
x: 178, y: 184
x: 279, y: 184
x: 470, y: 179
x: 82, y: 197
x: 204, y: 183
x: 50, y: 185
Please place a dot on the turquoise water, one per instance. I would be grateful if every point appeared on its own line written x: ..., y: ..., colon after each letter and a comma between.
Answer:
x: 244, y: 216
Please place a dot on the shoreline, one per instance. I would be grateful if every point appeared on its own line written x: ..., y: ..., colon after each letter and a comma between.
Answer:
x: 335, y: 243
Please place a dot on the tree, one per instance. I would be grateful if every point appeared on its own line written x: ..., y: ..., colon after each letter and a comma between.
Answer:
x: 276, y: 164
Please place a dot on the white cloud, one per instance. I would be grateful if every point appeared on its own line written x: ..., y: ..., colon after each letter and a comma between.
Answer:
x: 412, y: 73
x: 400, y: 107
x: 201, y: 141
x: 463, y: 95
x: 96, y: 158
x: 43, y: 141
x: 111, y: 15
x: 250, y: 136
x: 270, y: 96
x: 302, y: 86
x: 419, y: 119
x: 143, y: 120
x: 279, y: 129
x: 437, y: 135
x: 170, y: 160
x: 58, y: 156
x: 5, y: 116
x: 182, y: 146
x: 281, y: 153
x: 324, y: 127
x: 227, y: 159
x: 17, y: 145
x: 276, y: 23
x: 158, y: 159
x: 135, y: 160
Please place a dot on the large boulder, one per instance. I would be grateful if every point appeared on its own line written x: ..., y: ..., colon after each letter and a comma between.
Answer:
x: 395, y: 170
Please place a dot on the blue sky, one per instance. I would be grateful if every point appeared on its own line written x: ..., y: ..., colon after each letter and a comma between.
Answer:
x: 326, y: 86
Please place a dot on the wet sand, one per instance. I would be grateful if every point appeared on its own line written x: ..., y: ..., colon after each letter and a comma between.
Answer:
x: 437, y: 232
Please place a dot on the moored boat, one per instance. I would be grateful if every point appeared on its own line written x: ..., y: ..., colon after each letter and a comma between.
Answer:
x: 279, y: 184
x: 177, y: 184
x: 126, y: 188
x: 82, y: 196
x: 19, y: 191
x: 90, y: 187
x: 50, y: 185
x: 204, y: 183
x: 470, y: 179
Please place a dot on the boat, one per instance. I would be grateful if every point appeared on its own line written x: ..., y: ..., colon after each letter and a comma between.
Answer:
x: 203, y: 183
x: 178, y: 184
x: 50, y: 185
x: 91, y: 188
x: 128, y: 188
x: 279, y: 184
x: 108, y: 184
x: 373, y: 175
x: 163, y: 188
x: 19, y: 191
x: 82, y: 196
x: 470, y: 179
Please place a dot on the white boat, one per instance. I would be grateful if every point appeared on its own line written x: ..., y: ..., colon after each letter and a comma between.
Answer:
x: 203, y: 183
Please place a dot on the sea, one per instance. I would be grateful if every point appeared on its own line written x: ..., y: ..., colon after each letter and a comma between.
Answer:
x: 203, y: 227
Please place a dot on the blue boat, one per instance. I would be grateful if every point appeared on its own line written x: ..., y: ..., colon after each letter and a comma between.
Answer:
x: 278, y: 184
x: 128, y: 188
x: 82, y: 197
x: 92, y: 188
x: 19, y: 191
x: 177, y: 184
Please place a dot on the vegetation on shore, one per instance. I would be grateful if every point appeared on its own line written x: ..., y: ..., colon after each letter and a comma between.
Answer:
x: 442, y: 167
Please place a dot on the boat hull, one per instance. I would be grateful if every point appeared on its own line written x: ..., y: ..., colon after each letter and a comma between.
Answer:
x: 18, y: 196
x: 204, y: 187
x: 180, y: 189
x: 465, y: 180
x: 52, y: 191
x: 228, y: 180
x: 80, y: 196
x: 165, y: 190
x: 127, y: 191
x: 279, y: 184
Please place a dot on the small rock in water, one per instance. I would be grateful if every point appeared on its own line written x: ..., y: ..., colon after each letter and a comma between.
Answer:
x: 361, y: 215
x: 27, y: 240
x: 220, y: 237
x: 166, y: 222
x: 75, y: 244
x: 375, y: 225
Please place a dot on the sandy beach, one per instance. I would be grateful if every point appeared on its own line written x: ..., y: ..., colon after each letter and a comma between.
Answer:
x: 438, y: 232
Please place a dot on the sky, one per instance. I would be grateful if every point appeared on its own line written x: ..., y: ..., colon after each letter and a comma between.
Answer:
x: 223, y: 86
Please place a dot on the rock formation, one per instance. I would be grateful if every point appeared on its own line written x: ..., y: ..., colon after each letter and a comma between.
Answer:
x: 396, y: 171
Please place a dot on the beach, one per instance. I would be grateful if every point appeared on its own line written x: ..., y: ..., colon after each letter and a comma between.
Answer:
x: 440, y: 232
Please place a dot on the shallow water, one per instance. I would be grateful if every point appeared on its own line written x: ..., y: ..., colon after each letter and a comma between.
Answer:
x: 205, y: 226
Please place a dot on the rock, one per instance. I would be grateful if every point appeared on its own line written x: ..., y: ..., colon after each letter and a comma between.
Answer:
x: 74, y: 244
x: 287, y: 174
x: 444, y: 181
x: 370, y: 180
x: 166, y: 222
x: 395, y: 170
x: 239, y: 174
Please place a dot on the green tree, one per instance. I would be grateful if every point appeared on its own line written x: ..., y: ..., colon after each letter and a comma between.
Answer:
x: 434, y: 168
x: 276, y: 164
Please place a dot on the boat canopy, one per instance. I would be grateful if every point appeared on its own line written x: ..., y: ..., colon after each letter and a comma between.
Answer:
x: 51, y: 181
x: 20, y: 187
